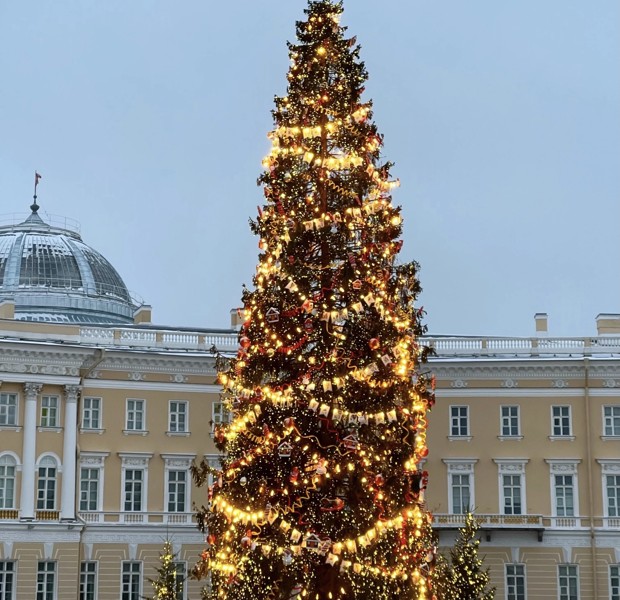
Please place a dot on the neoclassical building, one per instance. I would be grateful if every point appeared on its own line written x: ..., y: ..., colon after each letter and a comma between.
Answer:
x: 102, y: 413
x: 526, y: 432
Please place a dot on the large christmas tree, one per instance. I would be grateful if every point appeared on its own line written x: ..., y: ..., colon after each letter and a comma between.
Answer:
x: 320, y: 492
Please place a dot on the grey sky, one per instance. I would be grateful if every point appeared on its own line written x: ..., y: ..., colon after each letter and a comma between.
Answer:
x: 148, y: 122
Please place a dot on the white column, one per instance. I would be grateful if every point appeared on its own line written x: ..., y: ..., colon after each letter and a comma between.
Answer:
x: 29, y: 450
x: 69, y: 450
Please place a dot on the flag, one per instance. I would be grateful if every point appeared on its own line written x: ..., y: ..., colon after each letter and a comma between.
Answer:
x: 36, y: 179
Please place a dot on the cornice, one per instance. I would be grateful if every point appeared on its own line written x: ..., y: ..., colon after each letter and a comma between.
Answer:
x: 151, y: 386
x: 499, y: 370
x: 156, y: 363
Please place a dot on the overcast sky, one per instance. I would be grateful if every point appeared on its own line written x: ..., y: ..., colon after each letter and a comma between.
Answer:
x: 148, y: 122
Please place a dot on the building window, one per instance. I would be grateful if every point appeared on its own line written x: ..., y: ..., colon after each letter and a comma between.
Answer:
x: 614, y: 582
x: 510, y: 421
x: 49, y: 411
x: 177, y: 421
x: 459, y: 421
x: 46, y: 580
x: 46, y: 484
x: 8, y: 409
x: 568, y: 582
x: 564, y: 496
x: 88, y: 580
x: 177, y: 488
x: 511, y: 491
x: 611, y: 418
x: 461, y: 494
x: 131, y: 580
x: 89, y: 489
x: 91, y: 413
x: 515, y: 582
x: 220, y: 414
x: 135, y: 415
x: 180, y: 575
x: 460, y: 484
x: 561, y: 426
x: 612, y: 488
x: 134, y: 485
x: 7, y: 580
x: 8, y: 467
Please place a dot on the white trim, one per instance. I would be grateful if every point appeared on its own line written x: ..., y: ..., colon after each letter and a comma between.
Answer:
x: 100, y: 428
x: 96, y: 562
x: 452, y: 436
x: 57, y: 426
x: 135, y: 461
x: 54, y: 456
x: 461, y: 466
x: 604, y: 434
x: 517, y: 393
x: 516, y: 564
x: 564, y: 466
x: 178, y: 462
x: 609, y: 466
x: 144, y: 429
x: 153, y: 386
x: 14, y: 456
x: 569, y: 564
x: 16, y: 424
x: 186, y: 431
x: 511, y: 466
x: 92, y: 460
x: 140, y: 578
x: 554, y: 436
x: 509, y: 436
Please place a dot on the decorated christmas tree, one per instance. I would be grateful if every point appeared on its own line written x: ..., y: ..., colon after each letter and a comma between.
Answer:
x: 463, y: 577
x: 169, y: 584
x: 320, y: 491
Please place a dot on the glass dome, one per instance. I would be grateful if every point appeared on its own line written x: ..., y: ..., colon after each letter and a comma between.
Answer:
x: 52, y: 275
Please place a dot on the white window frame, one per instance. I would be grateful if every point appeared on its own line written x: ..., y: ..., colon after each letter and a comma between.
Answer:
x: 171, y: 412
x: 84, y: 575
x: 134, y: 410
x: 567, y: 596
x: 219, y: 415
x: 514, y: 467
x: 44, y: 417
x: 459, y: 436
x: 5, y: 409
x: 461, y: 466
x: 92, y: 460
x: 509, y: 436
x: 178, y: 462
x: 43, y: 594
x: 181, y: 564
x: 513, y: 594
x: 610, y: 467
x: 10, y: 460
x: 614, y: 582
x: 129, y: 595
x: 615, y: 432
x: 90, y: 409
x: 44, y: 462
x: 12, y: 572
x: 561, y: 436
x: 564, y: 466
x: 135, y: 461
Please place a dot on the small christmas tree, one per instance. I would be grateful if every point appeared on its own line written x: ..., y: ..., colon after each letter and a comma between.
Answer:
x: 463, y: 576
x: 169, y: 584
x: 320, y: 491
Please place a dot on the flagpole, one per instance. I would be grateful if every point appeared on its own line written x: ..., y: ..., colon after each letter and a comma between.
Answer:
x: 35, y: 206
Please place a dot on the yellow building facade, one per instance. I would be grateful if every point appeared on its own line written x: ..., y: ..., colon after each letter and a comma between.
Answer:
x: 526, y: 432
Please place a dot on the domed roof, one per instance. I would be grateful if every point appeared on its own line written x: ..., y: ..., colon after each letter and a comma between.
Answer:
x: 52, y: 275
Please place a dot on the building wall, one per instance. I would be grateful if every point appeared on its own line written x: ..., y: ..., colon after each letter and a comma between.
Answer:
x: 538, y: 538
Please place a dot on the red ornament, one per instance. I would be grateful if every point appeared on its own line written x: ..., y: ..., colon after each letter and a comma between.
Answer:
x: 289, y: 422
x: 294, y: 476
x: 245, y: 342
x: 374, y: 343
x: 379, y: 480
x: 308, y: 325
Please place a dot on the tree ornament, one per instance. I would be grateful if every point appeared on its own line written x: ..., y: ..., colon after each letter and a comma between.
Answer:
x: 245, y: 342
x: 374, y: 343
x: 273, y: 315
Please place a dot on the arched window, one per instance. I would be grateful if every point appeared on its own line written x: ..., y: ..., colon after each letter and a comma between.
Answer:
x: 8, y: 467
x: 46, y: 484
